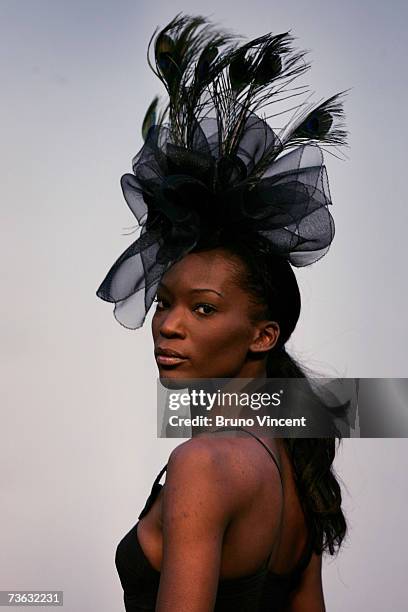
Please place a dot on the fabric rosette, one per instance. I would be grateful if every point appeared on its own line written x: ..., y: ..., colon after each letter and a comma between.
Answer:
x: 179, y: 195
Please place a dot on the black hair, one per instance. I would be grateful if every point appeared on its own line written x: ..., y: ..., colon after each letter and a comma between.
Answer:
x: 271, y: 282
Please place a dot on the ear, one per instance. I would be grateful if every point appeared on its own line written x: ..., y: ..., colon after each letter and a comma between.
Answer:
x: 265, y: 336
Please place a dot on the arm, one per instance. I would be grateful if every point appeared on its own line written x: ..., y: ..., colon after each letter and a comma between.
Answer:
x: 195, y: 513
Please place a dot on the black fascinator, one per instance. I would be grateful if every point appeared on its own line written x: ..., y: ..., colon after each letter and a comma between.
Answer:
x: 210, y: 163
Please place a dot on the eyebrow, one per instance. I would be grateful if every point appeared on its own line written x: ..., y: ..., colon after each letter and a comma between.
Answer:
x: 213, y: 291
x: 195, y: 290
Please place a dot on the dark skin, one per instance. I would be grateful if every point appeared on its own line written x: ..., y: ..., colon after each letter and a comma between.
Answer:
x: 208, y: 320
x: 204, y: 525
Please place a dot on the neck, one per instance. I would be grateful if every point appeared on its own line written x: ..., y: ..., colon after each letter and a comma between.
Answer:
x: 253, y: 369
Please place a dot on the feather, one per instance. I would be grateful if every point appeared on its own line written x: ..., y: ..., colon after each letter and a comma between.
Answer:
x: 150, y: 118
x: 238, y: 71
x: 269, y: 68
x: 322, y: 123
x: 208, y: 74
x: 202, y: 71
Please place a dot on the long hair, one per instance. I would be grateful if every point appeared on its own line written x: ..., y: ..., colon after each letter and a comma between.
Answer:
x: 271, y: 283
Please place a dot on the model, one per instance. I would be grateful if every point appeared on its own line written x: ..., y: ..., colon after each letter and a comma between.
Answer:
x: 227, y: 206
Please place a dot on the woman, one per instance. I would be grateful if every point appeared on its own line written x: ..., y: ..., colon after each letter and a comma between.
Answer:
x: 225, y: 211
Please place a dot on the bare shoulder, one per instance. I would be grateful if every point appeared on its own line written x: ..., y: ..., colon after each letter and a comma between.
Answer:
x: 228, y: 470
x: 236, y: 459
x: 199, y: 473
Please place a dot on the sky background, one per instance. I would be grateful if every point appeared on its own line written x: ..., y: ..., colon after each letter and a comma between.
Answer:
x: 79, y: 452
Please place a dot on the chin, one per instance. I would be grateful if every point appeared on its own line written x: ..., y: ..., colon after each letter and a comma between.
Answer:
x: 172, y: 383
x: 175, y: 378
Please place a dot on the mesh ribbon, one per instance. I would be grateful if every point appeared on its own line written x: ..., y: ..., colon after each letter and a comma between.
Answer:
x: 179, y: 195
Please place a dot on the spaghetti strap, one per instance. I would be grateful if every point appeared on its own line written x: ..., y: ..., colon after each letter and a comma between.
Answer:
x: 160, y: 474
x: 156, y: 487
x: 265, y: 564
x: 256, y: 438
x: 307, y: 551
x: 267, y: 449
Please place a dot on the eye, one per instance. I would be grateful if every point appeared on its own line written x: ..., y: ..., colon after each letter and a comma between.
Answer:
x: 207, y: 309
x: 161, y: 304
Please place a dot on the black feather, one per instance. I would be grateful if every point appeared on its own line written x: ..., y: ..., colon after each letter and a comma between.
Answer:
x: 269, y: 68
x: 320, y: 124
x: 166, y: 59
x: 150, y: 118
x: 207, y: 74
x: 202, y: 71
x: 316, y: 125
x: 239, y: 71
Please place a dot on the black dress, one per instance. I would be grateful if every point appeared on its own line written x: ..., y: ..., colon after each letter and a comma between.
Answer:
x: 262, y: 591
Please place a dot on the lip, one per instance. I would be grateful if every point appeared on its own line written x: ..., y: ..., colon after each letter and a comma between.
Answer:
x: 169, y: 357
x: 164, y: 360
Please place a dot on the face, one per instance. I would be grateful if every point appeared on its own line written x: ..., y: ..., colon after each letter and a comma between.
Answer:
x: 202, y: 326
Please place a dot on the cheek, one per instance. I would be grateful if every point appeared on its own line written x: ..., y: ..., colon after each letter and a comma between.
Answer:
x: 223, y: 340
x: 157, y: 321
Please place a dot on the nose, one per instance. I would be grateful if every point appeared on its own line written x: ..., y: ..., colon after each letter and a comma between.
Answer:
x: 172, y: 324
